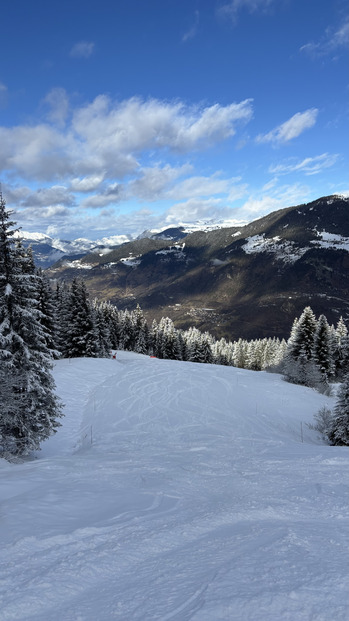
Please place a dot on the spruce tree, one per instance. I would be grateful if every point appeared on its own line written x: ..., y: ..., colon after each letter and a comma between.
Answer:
x: 339, y: 427
x: 48, y: 313
x: 29, y: 407
x: 340, y: 349
x: 322, y: 349
x: 81, y: 338
x: 299, y: 366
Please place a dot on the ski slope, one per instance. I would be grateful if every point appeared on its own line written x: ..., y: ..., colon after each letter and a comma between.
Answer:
x: 173, y: 492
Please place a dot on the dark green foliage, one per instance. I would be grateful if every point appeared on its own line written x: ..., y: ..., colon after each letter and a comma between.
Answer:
x: 29, y: 406
x: 79, y: 330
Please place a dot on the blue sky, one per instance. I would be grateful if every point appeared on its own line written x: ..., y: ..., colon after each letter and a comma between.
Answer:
x: 117, y: 117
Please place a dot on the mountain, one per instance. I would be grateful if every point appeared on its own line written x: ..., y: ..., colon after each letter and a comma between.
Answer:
x: 171, y: 234
x: 47, y: 250
x: 248, y: 281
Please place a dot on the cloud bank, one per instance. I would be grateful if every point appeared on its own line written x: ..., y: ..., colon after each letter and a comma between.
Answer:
x: 124, y: 166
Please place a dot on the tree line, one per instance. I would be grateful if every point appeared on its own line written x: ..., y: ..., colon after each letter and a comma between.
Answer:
x: 41, y: 321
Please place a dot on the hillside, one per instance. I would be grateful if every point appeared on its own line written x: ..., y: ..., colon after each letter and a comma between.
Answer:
x: 176, y: 491
x: 245, y: 282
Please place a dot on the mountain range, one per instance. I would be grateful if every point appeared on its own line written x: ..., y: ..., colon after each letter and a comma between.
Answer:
x: 249, y: 281
x: 48, y: 250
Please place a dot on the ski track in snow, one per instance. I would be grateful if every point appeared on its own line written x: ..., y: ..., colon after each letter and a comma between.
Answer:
x: 196, y: 500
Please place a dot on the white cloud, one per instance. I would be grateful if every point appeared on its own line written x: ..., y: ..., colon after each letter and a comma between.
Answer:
x: 332, y: 42
x: 54, y: 216
x: 260, y: 204
x: 292, y: 128
x: 111, y: 195
x: 82, y: 49
x: 200, y: 186
x: 191, y: 33
x: 37, y: 152
x: 167, y: 184
x: 58, y: 104
x: 231, y: 9
x: 309, y: 166
x: 154, y: 182
x: 106, y: 137
x: 134, y: 125
x: 86, y: 184
x: 196, y: 209
x: 55, y: 195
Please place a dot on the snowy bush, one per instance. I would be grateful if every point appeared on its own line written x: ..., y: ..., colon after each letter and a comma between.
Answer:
x: 323, y: 423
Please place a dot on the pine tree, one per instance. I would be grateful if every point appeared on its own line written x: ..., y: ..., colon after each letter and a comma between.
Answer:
x: 240, y: 354
x: 302, y: 335
x: 298, y: 365
x: 80, y: 334
x: 167, y: 342
x: 140, y: 331
x: 196, y: 348
x: 322, y: 350
x: 48, y: 313
x: 340, y: 349
x: 127, y: 333
x: 29, y: 406
x: 339, y: 428
x: 101, y: 330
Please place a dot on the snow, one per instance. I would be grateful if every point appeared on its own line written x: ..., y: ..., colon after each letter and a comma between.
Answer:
x: 331, y: 240
x: 172, y: 492
x: 34, y: 237
x: 285, y: 251
x: 177, y: 250
x: 218, y: 262
x: 131, y: 261
x: 77, y: 265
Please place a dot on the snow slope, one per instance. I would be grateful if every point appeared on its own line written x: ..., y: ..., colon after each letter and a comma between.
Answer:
x: 172, y: 492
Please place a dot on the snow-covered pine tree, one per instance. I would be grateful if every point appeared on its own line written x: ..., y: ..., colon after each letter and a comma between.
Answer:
x: 101, y: 330
x: 61, y: 300
x: 29, y: 406
x: 141, y: 333
x: 240, y: 354
x: 340, y: 349
x: 127, y: 333
x: 255, y: 355
x: 298, y: 364
x: 339, y: 427
x: 196, y: 350
x: 207, y: 342
x: 79, y: 330
x: 219, y: 352
x: 168, y: 346
x: 322, y: 350
x: 48, y: 313
x: 111, y: 319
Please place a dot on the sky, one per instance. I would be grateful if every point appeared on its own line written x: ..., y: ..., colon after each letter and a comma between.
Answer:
x: 116, y: 117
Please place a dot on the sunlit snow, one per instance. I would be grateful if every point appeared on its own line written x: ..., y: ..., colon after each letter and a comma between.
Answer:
x: 331, y: 240
x: 285, y: 251
x: 173, y: 492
